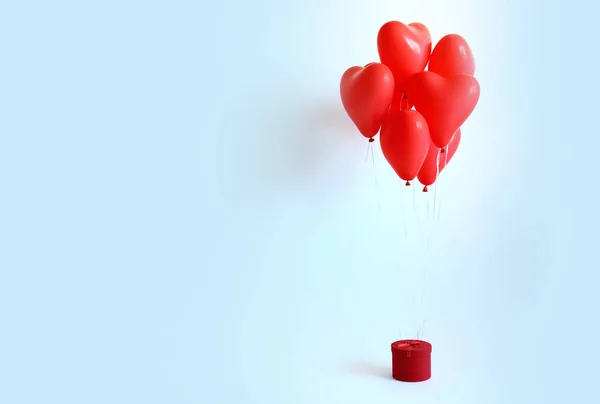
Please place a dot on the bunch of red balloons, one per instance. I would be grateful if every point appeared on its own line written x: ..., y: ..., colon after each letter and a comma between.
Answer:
x: 418, y: 112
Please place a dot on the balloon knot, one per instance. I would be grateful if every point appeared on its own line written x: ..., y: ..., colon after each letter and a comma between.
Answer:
x: 442, y: 150
x: 371, y: 140
x: 407, y: 183
x: 425, y: 189
x: 403, y: 102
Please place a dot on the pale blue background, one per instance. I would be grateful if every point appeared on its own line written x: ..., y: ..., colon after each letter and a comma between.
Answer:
x: 186, y: 216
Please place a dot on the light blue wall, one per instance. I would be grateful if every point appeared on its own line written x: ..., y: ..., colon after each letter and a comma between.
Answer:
x: 187, y: 215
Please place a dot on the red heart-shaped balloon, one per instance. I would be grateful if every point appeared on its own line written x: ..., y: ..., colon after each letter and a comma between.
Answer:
x: 405, y: 142
x: 446, y: 103
x: 436, y: 161
x: 452, y: 56
x: 405, y: 49
x: 367, y: 93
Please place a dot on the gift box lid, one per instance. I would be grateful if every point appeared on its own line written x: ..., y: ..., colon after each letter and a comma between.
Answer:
x: 415, y: 347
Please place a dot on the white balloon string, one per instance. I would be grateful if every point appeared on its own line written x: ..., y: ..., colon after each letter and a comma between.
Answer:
x: 440, y: 207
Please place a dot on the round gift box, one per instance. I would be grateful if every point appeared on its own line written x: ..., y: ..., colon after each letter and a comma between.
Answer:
x: 411, y: 360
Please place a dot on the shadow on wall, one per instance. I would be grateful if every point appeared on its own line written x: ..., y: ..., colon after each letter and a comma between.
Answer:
x: 311, y: 148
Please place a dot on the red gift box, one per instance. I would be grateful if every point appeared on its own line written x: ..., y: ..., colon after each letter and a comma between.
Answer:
x: 411, y: 360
